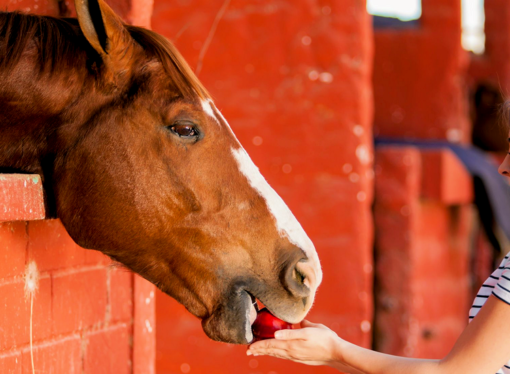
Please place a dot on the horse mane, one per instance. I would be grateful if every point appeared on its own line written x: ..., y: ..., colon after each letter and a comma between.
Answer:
x: 61, y: 44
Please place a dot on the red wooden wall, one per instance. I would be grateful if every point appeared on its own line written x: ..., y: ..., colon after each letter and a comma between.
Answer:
x: 88, y: 315
x: 419, y: 77
x: 424, y: 220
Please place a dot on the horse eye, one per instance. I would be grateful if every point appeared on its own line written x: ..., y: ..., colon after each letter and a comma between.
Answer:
x: 184, y: 130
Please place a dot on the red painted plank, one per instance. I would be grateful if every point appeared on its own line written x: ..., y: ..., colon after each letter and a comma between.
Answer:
x: 21, y: 197
x: 79, y: 299
x: 10, y: 363
x: 13, y: 248
x: 107, y: 351
x: 62, y: 356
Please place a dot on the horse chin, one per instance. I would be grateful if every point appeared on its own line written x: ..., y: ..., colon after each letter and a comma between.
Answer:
x: 231, y: 323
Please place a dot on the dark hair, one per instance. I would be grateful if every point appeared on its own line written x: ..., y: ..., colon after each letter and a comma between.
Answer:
x: 60, y: 43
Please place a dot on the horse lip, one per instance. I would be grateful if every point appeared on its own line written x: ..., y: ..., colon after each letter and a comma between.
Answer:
x: 231, y: 322
x: 277, y: 313
x: 255, y: 304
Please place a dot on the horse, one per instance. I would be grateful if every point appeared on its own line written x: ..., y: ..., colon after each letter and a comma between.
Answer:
x: 138, y: 162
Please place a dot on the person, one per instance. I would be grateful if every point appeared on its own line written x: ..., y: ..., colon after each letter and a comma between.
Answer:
x: 482, y: 348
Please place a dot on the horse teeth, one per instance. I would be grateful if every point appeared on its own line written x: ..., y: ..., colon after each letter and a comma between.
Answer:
x: 253, y: 313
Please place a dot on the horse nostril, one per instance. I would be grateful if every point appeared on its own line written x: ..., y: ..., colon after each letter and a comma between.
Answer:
x: 296, y: 281
x: 299, y: 277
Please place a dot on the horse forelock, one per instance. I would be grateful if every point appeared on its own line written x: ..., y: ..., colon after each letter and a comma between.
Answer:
x: 158, y: 47
x: 55, y: 39
x: 60, y: 45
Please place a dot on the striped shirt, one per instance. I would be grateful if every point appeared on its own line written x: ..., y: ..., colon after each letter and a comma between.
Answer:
x: 498, y: 284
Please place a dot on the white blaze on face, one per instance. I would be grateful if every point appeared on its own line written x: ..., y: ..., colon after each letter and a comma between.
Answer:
x: 286, y: 223
x: 207, y: 108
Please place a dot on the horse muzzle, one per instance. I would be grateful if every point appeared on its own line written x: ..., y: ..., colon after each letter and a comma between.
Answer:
x: 290, y: 299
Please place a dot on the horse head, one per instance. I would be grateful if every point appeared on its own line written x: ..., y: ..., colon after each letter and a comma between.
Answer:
x: 140, y: 164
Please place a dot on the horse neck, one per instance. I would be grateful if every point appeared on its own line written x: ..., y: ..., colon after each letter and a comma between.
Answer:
x: 20, y: 140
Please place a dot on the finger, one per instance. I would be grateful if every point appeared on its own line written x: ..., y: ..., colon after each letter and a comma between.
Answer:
x: 296, y: 334
x: 286, y: 355
x: 267, y: 344
x: 274, y: 352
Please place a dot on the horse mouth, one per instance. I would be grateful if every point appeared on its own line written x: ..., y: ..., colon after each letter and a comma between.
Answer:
x: 233, y: 321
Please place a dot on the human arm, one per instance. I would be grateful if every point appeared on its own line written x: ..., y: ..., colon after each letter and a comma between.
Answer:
x: 483, y: 347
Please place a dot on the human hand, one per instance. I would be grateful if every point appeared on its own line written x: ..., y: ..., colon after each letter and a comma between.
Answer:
x: 313, y: 344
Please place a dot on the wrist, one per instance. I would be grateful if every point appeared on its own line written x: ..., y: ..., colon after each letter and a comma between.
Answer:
x: 341, y: 353
x: 339, y: 350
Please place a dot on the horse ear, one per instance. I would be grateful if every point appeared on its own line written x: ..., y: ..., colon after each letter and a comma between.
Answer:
x: 106, y: 33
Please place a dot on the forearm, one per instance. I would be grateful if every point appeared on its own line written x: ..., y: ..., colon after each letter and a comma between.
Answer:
x: 365, y: 361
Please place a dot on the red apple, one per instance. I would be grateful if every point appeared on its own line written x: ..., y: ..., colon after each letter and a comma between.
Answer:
x: 266, y: 324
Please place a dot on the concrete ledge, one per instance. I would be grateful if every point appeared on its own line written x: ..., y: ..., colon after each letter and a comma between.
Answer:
x: 21, y: 197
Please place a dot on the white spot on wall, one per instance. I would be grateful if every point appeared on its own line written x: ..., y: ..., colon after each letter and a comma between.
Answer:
x: 353, y: 177
x: 347, y: 168
x: 287, y: 168
x: 363, y: 154
x: 306, y: 40
x: 313, y: 75
x: 31, y: 279
x: 257, y: 140
x: 148, y: 326
x: 365, y: 326
x: 358, y: 130
x: 454, y: 135
x: 326, y: 77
